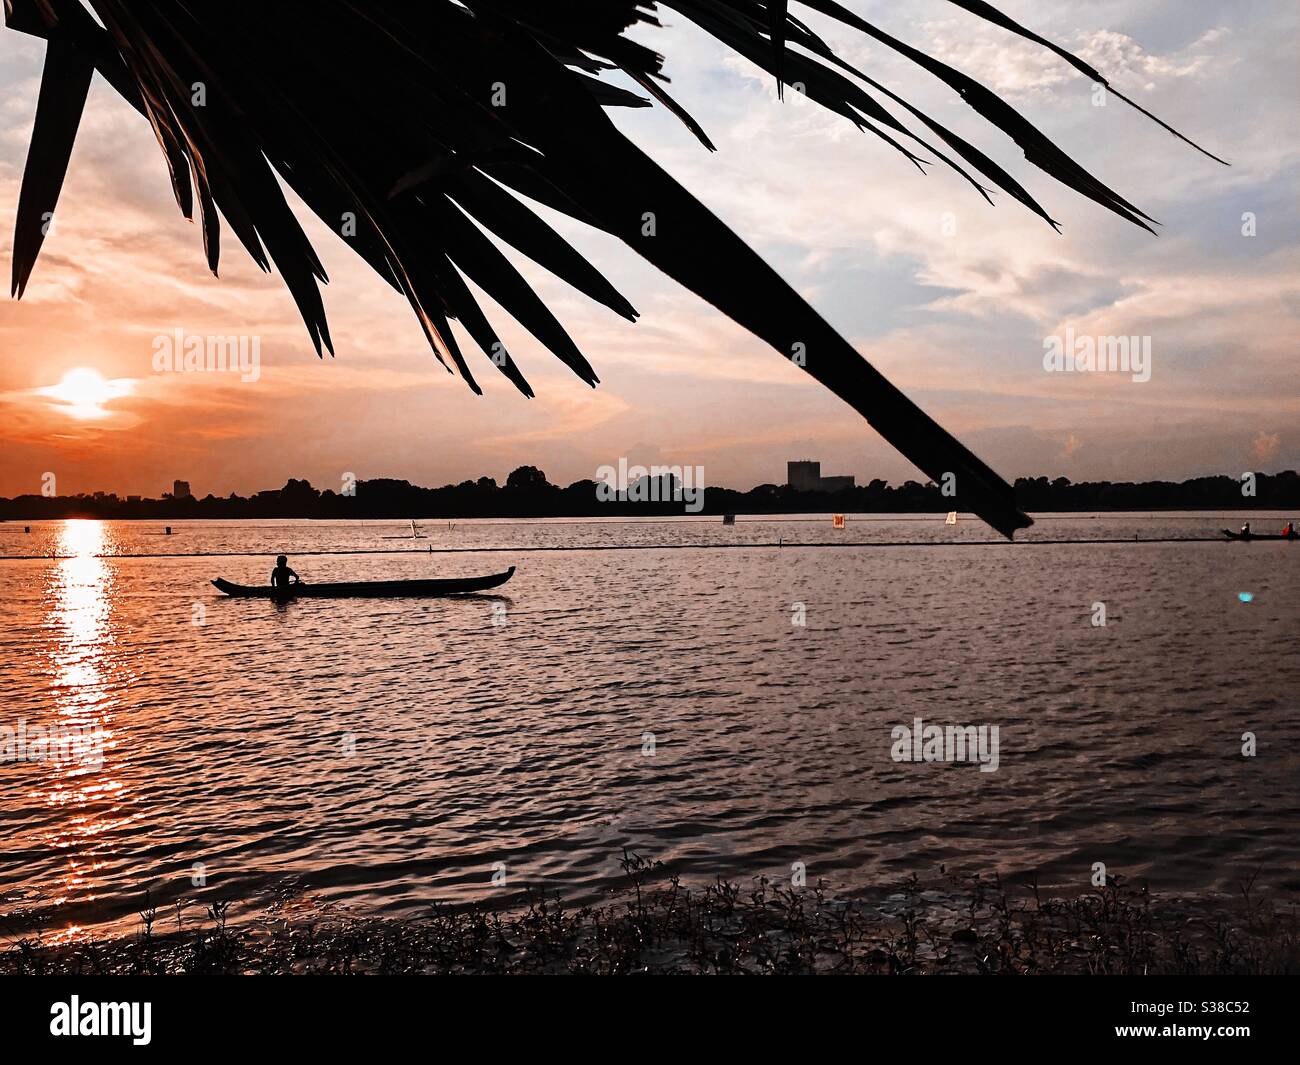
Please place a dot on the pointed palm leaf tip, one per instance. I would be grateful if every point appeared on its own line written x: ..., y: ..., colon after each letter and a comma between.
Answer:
x: 421, y: 131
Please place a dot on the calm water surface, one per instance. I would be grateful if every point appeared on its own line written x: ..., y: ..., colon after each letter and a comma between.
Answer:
x: 385, y: 754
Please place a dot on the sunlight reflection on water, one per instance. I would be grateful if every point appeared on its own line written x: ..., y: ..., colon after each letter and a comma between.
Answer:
x: 80, y: 656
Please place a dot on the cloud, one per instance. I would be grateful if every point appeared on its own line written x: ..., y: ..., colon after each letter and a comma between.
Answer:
x: 1016, y: 68
x: 1266, y: 446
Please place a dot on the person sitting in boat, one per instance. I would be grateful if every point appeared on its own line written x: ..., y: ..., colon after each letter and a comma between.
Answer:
x: 1245, y: 529
x: 282, y: 576
x: 1288, y: 530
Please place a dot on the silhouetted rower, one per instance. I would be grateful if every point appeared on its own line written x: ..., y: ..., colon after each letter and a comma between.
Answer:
x: 282, y: 577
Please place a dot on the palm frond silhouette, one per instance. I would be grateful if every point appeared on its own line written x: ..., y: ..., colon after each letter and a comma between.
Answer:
x: 424, y: 122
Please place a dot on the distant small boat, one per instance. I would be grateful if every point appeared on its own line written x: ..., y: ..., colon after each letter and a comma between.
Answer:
x: 368, y: 589
x: 728, y: 519
x: 1258, y: 536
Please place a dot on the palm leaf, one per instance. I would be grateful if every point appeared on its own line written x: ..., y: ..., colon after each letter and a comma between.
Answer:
x: 64, y: 85
x: 426, y: 122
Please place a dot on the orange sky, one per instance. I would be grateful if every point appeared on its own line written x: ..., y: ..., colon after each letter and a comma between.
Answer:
x: 955, y: 314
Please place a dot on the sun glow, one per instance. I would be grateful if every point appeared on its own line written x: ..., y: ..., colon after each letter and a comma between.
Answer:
x: 83, y: 392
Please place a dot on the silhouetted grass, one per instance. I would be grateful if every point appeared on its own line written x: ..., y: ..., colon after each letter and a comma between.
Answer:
x: 960, y: 924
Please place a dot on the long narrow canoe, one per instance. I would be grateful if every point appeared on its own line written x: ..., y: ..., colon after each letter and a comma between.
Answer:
x: 1257, y: 536
x: 369, y: 589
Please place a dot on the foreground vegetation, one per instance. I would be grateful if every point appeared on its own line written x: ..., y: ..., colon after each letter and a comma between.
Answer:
x: 963, y: 925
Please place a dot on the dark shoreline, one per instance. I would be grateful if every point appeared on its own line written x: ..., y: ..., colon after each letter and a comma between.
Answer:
x: 951, y: 925
x: 527, y: 494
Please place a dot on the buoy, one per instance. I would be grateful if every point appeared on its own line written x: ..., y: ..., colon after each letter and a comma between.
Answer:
x: 168, y: 530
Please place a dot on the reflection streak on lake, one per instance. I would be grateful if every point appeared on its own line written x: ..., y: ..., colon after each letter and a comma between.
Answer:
x: 385, y: 754
x: 79, y: 786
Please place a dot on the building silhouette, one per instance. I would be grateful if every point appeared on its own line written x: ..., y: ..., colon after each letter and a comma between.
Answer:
x: 805, y: 475
x: 181, y: 490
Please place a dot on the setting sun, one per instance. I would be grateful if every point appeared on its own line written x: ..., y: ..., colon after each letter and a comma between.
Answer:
x: 84, y: 392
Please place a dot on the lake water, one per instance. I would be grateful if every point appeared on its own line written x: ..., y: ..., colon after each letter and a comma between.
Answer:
x: 631, y: 687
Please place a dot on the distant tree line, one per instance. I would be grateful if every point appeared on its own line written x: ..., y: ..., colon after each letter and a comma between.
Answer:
x: 527, y: 493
